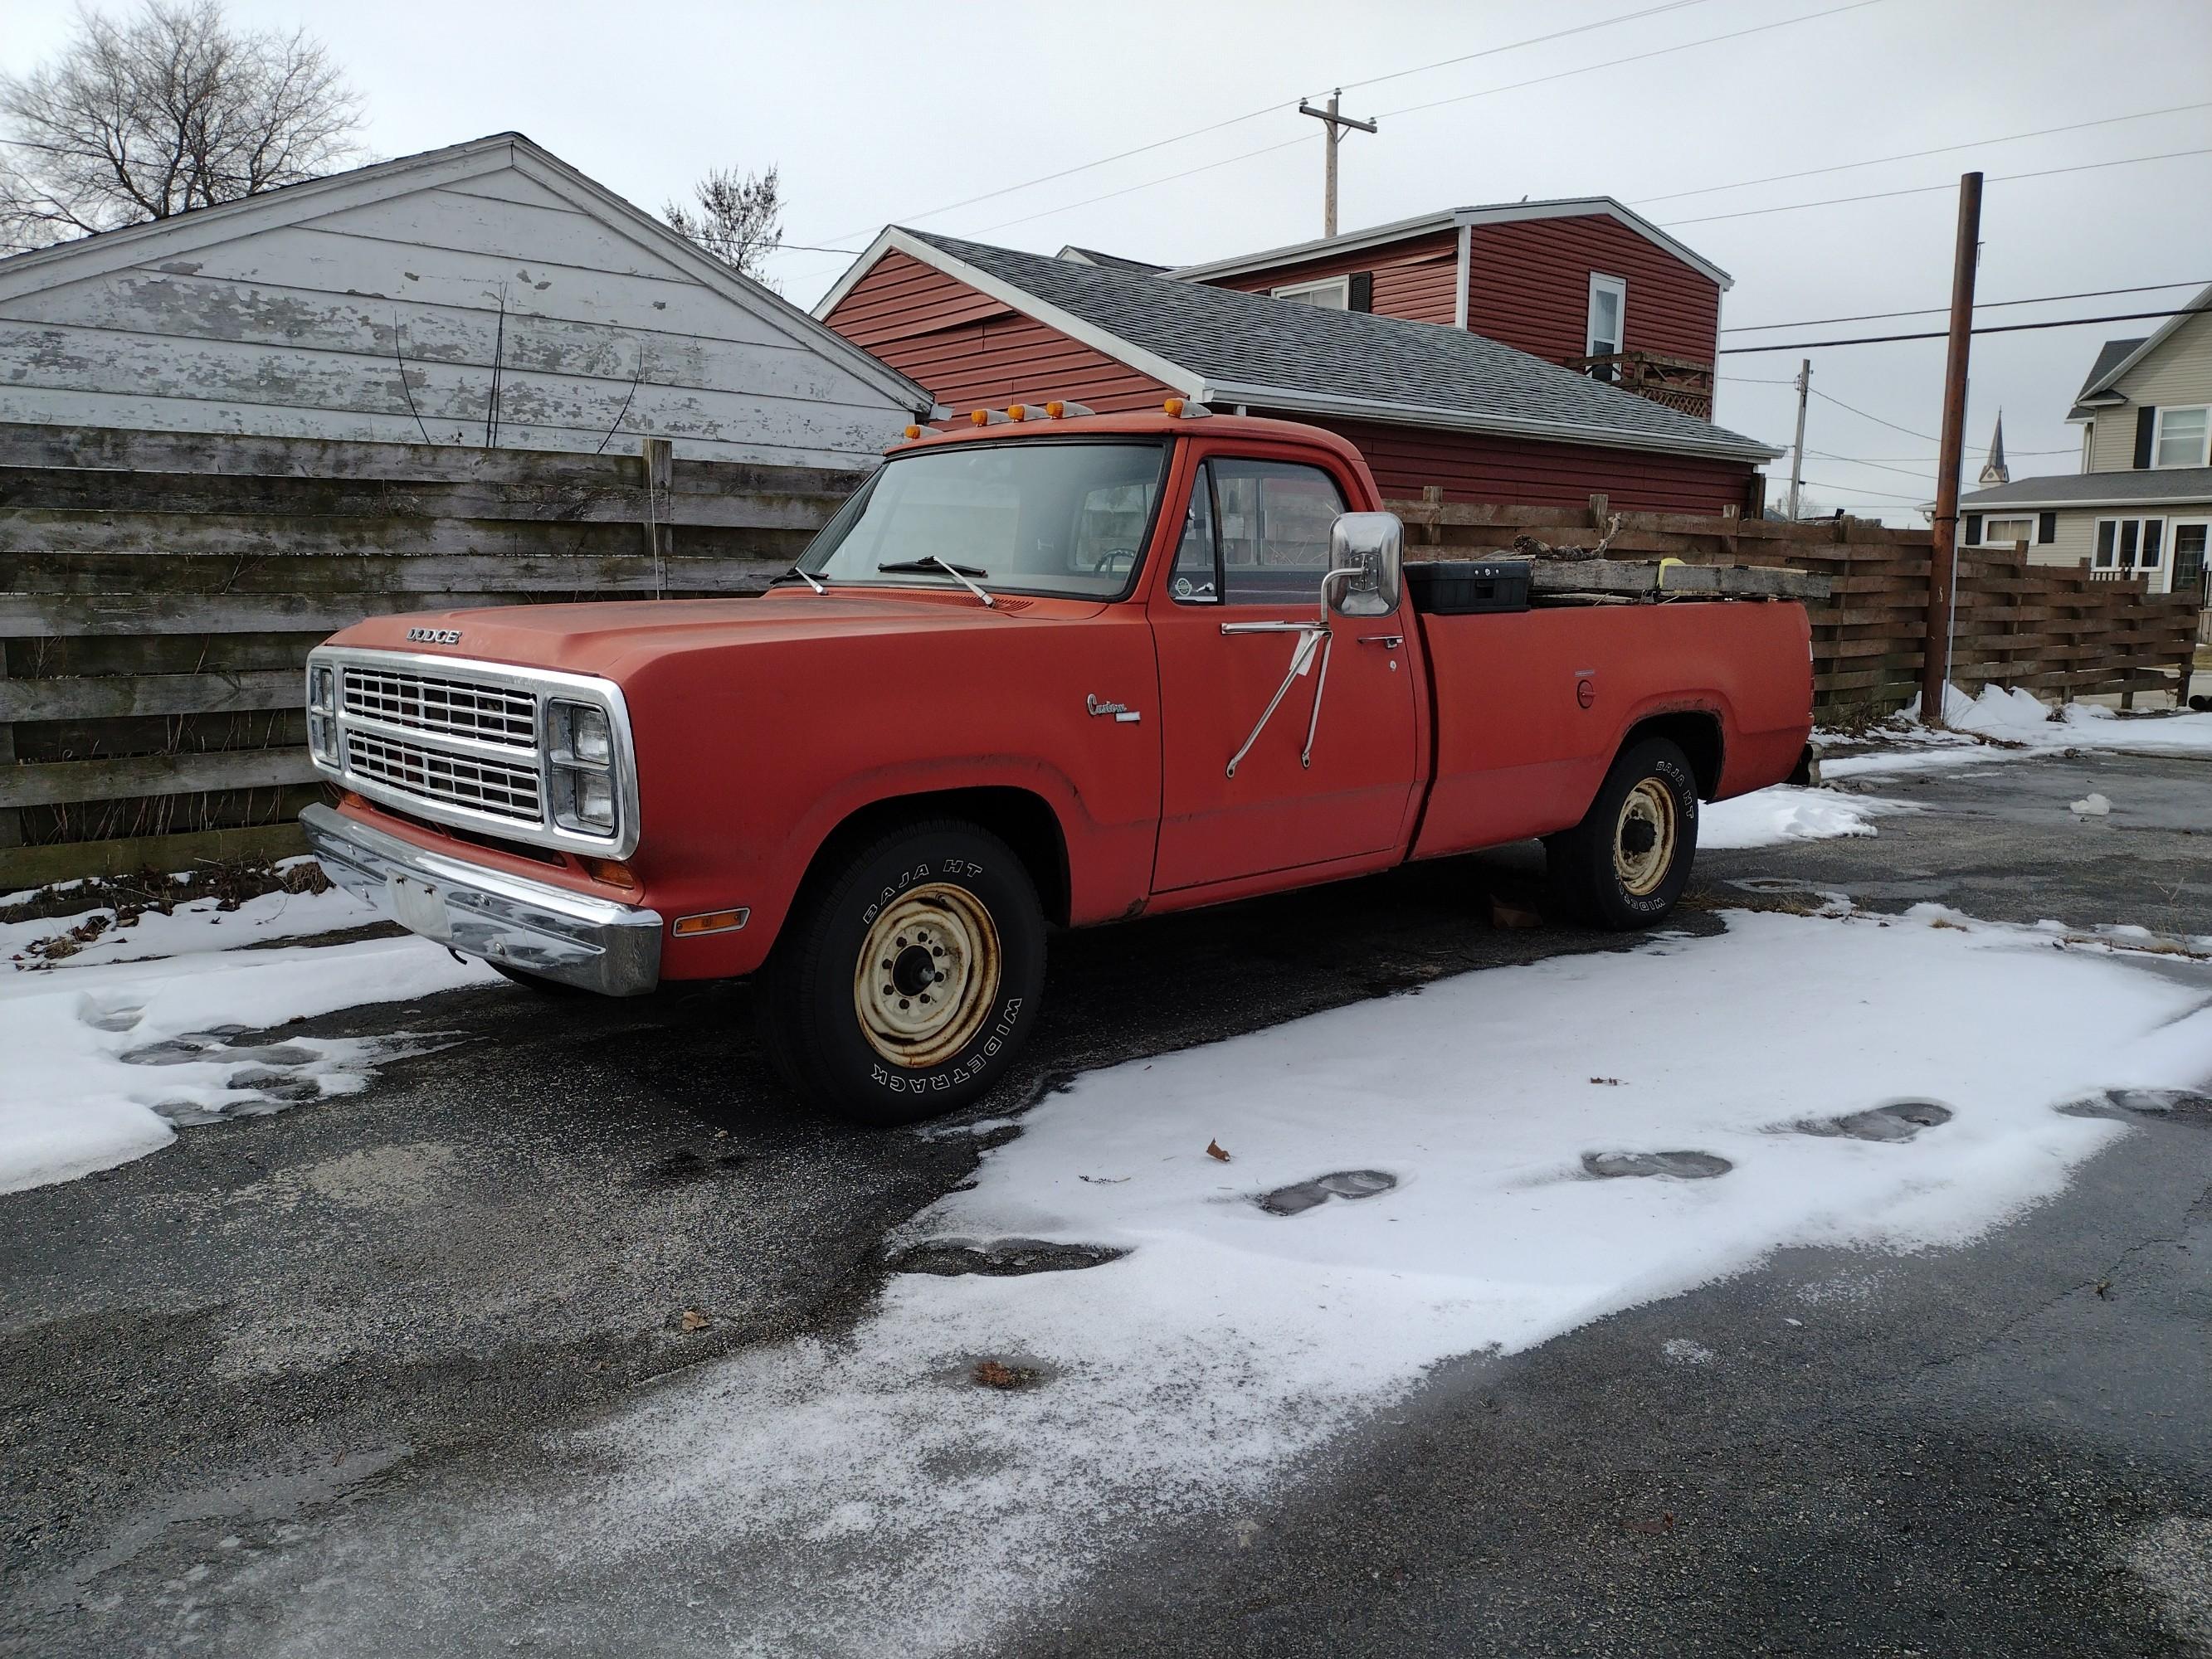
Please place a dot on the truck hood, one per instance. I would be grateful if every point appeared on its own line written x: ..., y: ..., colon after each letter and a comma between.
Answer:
x: 614, y: 640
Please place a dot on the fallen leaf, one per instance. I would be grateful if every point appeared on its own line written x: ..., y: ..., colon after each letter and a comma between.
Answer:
x: 696, y: 1320
x: 1664, y: 1523
x: 1214, y: 1151
x: 2104, y: 1289
x: 996, y: 1374
x: 1502, y: 914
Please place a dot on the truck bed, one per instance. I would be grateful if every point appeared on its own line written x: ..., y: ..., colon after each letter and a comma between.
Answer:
x: 1516, y: 753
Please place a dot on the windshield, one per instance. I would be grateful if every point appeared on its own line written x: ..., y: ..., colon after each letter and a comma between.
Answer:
x: 1031, y: 517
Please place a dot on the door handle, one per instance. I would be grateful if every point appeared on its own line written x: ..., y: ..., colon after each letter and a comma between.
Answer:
x: 1388, y: 641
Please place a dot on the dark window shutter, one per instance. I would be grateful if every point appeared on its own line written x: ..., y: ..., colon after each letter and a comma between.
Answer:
x: 2046, y: 528
x: 1362, y: 291
x: 1973, y: 535
x: 2146, y: 423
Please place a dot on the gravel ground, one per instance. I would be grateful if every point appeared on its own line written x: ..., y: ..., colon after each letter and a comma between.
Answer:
x: 223, y: 1355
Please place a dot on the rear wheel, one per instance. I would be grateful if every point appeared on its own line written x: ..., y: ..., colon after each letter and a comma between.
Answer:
x: 907, y: 980
x: 1627, y: 861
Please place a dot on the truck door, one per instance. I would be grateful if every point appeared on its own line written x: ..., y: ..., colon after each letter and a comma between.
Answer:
x: 1255, y: 545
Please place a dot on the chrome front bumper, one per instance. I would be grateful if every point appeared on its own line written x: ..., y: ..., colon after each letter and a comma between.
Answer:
x: 592, y: 943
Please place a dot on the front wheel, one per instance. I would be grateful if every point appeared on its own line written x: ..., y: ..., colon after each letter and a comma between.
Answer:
x: 907, y: 979
x: 1627, y: 861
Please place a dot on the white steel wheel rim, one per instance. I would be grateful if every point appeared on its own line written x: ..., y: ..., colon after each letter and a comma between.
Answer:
x: 927, y: 977
x: 1643, y: 838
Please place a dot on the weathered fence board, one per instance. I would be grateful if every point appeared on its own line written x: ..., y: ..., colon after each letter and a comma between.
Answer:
x: 159, y: 592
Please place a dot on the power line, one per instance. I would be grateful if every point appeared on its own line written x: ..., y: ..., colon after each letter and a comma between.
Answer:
x: 1270, y: 108
x: 1877, y: 419
x: 1269, y: 149
x: 1635, y: 57
x: 1867, y: 495
x: 1979, y: 305
x: 1992, y: 328
x: 1855, y: 460
x: 1923, y: 189
x: 1917, y: 155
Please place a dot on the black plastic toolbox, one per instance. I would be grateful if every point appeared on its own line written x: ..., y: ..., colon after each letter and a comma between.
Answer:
x: 1462, y: 587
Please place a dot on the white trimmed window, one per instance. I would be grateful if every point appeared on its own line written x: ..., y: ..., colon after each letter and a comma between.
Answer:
x: 1608, y: 315
x: 2004, y: 532
x: 2181, y: 437
x: 1330, y: 294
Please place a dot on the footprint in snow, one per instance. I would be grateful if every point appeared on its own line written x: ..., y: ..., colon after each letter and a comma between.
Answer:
x: 1305, y: 1196
x: 1673, y: 1166
x: 1893, y: 1122
x: 261, y: 1077
x: 1004, y: 1258
x: 2188, y: 1106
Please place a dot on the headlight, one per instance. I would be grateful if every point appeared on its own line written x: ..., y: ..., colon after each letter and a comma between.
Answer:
x: 322, y: 690
x: 581, y: 732
x: 584, y: 800
x: 582, y: 773
x: 319, y: 736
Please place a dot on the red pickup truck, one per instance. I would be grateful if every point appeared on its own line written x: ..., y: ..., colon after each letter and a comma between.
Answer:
x: 1050, y: 669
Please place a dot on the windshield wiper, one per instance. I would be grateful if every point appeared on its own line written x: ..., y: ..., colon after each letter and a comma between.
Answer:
x: 959, y: 572
x: 803, y: 575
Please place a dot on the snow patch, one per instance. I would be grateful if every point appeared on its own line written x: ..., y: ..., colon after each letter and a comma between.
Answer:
x: 1786, y: 812
x: 1228, y: 1346
x: 2016, y: 724
x: 103, y: 1061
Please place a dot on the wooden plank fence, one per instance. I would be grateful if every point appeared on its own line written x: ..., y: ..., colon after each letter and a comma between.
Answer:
x: 2053, y: 630
x: 159, y: 592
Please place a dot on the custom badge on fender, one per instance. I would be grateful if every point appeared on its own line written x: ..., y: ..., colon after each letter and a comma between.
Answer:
x: 434, y: 636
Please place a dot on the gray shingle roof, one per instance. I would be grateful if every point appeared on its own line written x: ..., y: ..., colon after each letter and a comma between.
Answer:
x: 1379, y: 367
x: 1111, y: 261
x: 2109, y: 358
x: 2173, y: 486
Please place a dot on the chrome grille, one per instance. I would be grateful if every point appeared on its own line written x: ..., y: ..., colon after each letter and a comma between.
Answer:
x: 457, y: 708
x: 501, y: 788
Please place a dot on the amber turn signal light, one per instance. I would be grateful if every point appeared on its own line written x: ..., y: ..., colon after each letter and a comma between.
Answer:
x: 710, y: 922
x: 611, y: 872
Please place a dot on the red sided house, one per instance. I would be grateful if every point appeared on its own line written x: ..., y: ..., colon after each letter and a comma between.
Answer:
x: 1525, y: 418
x: 1584, y: 283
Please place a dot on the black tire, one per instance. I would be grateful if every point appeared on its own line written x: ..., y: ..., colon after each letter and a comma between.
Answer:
x: 887, y: 1051
x: 1627, y: 861
x: 534, y: 982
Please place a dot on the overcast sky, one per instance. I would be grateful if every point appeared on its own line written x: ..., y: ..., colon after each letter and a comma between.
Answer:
x: 880, y: 113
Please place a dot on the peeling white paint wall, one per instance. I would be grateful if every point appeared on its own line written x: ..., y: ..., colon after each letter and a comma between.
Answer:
x: 306, y: 327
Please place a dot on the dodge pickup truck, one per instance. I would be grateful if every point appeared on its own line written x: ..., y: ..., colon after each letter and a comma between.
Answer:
x: 1050, y: 669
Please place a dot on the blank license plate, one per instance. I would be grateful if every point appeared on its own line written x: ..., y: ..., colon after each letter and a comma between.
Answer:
x: 419, y: 909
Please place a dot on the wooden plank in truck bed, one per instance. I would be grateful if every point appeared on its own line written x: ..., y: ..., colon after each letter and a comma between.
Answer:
x: 1561, y: 576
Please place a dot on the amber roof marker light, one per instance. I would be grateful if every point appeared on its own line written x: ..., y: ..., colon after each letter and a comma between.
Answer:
x: 1183, y: 409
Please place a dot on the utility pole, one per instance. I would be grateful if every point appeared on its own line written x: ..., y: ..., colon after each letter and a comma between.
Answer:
x: 1336, y: 124
x: 1798, y: 449
x: 1943, y: 542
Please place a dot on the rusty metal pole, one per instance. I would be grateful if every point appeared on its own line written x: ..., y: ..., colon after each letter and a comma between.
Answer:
x: 1943, y: 544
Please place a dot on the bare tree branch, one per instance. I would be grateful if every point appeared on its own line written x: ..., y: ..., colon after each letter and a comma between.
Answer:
x: 739, y: 221
x: 169, y: 110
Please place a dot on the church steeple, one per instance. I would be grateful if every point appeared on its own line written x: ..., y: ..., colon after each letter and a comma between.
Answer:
x: 1994, y: 470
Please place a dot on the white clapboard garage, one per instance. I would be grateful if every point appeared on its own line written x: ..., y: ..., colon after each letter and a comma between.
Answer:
x: 486, y: 295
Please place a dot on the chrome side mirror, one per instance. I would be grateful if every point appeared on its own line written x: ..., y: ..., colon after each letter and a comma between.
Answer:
x: 1367, y: 553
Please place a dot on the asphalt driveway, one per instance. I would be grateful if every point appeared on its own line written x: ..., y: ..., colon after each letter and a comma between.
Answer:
x: 217, y: 1363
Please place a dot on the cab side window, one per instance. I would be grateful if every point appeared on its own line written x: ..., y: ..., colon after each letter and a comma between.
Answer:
x: 1196, y: 577
x: 1274, y: 533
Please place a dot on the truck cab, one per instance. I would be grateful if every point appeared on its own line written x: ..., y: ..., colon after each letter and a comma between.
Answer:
x: 1048, y: 670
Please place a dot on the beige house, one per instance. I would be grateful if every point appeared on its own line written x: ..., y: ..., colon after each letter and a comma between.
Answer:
x: 2142, y: 504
